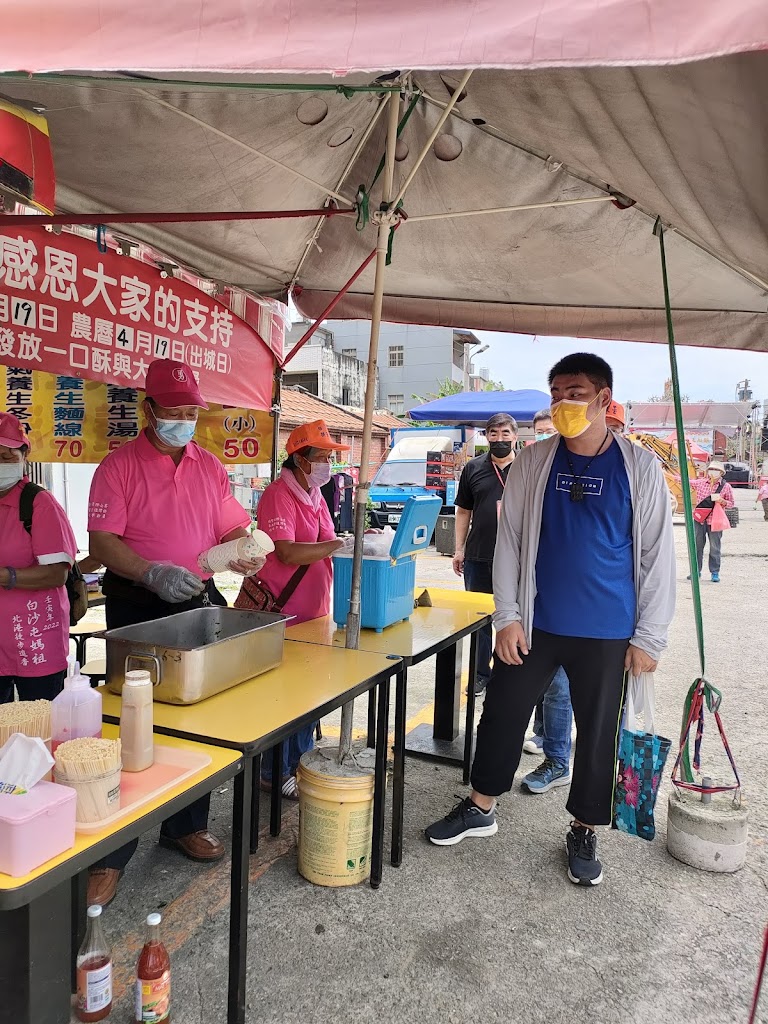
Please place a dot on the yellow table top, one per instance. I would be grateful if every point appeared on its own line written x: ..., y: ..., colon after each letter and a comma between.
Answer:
x: 412, y: 640
x: 442, y: 597
x: 220, y: 758
x: 308, y: 679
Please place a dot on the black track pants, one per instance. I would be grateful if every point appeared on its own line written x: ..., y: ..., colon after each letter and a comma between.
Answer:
x: 595, y: 669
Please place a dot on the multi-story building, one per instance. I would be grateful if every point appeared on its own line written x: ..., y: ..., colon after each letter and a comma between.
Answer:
x: 323, y: 370
x: 412, y: 361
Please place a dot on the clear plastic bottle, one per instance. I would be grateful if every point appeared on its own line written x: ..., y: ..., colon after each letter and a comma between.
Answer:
x: 94, y: 972
x: 76, y: 711
x: 153, y: 978
x: 137, y: 744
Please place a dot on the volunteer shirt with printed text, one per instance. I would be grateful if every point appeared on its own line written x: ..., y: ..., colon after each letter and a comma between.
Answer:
x: 285, y: 514
x: 585, y: 562
x: 164, y: 512
x: 34, y: 624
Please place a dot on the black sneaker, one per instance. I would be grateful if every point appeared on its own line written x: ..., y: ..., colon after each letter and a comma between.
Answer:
x: 464, y: 820
x: 583, y: 866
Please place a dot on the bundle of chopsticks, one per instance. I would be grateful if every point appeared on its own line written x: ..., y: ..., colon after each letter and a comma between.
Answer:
x: 87, y: 758
x: 29, y: 717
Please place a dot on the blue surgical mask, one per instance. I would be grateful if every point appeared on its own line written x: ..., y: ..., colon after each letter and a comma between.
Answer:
x: 543, y: 437
x: 10, y: 474
x: 175, y: 433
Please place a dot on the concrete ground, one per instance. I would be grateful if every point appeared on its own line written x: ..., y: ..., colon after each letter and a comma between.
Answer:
x: 492, y: 930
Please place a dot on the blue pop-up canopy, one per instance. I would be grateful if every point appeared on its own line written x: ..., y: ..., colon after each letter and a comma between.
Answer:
x: 475, y: 407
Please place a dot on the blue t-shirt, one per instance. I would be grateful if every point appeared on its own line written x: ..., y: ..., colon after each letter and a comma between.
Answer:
x: 585, y: 563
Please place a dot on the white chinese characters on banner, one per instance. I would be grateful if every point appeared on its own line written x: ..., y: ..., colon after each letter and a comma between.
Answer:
x: 66, y: 309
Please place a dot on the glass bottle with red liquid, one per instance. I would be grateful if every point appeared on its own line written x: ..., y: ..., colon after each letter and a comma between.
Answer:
x: 153, y: 978
x: 94, y: 972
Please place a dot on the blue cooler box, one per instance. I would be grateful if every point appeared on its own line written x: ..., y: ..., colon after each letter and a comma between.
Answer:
x: 386, y: 588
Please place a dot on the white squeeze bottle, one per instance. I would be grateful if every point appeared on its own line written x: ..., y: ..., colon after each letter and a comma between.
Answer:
x: 137, y: 744
x: 76, y: 711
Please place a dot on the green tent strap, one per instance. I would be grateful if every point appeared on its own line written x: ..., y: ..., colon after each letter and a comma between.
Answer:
x: 345, y: 90
x: 362, y: 204
x: 400, y: 127
x: 658, y: 230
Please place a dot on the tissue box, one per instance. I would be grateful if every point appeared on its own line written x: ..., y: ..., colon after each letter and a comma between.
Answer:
x: 35, y: 826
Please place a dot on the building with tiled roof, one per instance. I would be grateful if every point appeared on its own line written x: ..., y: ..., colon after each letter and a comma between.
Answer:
x: 297, y: 406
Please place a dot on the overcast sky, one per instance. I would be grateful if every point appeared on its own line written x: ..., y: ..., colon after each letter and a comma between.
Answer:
x: 521, y: 361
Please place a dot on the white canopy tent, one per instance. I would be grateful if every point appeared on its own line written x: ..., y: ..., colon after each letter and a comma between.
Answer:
x: 529, y: 188
x: 688, y: 143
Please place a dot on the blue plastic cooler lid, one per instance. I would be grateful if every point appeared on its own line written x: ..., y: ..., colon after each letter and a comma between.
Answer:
x: 417, y: 523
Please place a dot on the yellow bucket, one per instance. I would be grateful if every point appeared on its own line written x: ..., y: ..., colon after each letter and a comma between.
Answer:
x: 335, y: 821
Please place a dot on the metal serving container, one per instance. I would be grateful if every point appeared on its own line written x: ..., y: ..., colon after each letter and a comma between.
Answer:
x: 192, y: 655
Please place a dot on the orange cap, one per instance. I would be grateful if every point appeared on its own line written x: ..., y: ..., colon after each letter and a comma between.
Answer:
x: 616, y: 412
x: 313, y: 435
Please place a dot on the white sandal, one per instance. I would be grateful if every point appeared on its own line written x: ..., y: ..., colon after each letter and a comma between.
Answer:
x: 290, y: 788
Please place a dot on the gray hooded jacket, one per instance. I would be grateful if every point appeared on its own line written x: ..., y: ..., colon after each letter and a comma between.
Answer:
x: 514, y: 565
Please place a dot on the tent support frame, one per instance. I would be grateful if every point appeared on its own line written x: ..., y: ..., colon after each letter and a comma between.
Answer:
x: 512, y: 209
x: 329, y: 308
x: 387, y: 220
x: 244, y: 145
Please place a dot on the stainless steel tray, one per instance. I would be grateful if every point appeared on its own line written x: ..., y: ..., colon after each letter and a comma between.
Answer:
x: 193, y: 655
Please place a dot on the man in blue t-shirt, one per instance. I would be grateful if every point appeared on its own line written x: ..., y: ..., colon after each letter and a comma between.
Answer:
x: 583, y: 578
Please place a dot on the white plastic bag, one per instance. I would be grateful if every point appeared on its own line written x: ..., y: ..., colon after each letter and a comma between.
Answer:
x: 378, y: 544
x: 640, y: 701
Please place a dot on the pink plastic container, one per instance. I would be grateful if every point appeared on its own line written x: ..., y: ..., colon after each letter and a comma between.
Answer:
x: 35, y: 826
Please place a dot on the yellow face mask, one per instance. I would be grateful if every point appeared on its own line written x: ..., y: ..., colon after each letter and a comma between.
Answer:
x: 570, y: 418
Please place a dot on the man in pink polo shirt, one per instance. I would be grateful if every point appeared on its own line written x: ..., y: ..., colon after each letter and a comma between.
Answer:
x: 156, y: 504
x: 34, y: 606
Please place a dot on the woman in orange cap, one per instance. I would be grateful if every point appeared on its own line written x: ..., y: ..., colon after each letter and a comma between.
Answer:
x: 298, y: 573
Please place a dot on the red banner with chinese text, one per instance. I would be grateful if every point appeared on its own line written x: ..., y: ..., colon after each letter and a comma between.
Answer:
x: 67, y: 308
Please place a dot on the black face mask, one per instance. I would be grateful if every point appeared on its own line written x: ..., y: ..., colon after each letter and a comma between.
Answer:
x: 500, y: 449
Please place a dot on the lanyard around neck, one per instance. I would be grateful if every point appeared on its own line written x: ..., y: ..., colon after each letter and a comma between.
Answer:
x: 498, y: 474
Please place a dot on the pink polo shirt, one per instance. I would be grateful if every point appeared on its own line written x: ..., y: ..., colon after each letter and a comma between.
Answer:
x: 284, y: 514
x: 34, y: 624
x: 164, y: 512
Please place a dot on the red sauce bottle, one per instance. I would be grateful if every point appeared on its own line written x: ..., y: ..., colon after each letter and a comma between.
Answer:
x: 153, y: 978
x: 94, y: 972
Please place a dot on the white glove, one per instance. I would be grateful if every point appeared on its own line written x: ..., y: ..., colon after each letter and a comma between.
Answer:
x: 347, y: 546
x: 172, y: 583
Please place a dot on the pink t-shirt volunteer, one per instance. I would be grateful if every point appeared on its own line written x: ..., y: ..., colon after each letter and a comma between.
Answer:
x: 287, y: 512
x: 34, y: 624
x: 164, y: 512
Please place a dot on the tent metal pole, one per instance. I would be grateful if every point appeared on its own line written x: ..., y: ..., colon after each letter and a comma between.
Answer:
x: 244, y: 145
x: 387, y: 220
x: 328, y: 309
x: 277, y: 396
x: 187, y: 217
x: 512, y: 209
x: 435, y: 132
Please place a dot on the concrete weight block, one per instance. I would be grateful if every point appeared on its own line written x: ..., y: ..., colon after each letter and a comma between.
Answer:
x: 708, y: 836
